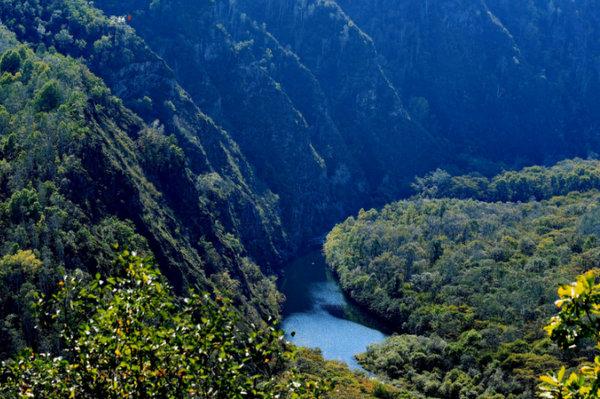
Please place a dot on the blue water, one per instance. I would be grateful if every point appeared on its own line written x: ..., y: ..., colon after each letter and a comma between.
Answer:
x: 319, y: 314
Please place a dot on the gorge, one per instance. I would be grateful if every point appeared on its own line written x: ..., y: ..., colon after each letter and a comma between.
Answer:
x: 448, y: 149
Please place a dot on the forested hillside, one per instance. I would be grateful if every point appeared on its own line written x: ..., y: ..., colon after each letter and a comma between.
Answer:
x: 221, y: 138
x: 532, y: 183
x: 146, y: 85
x: 469, y: 285
x: 80, y: 172
x: 323, y: 106
x: 506, y: 83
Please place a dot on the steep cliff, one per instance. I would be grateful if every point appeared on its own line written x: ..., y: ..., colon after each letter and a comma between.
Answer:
x: 80, y: 172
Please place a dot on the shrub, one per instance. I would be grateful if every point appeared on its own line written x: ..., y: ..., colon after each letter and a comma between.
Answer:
x: 577, y: 321
x: 126, y: 336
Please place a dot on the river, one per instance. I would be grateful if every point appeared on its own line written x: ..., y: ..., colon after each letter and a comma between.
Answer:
x: 320, y: 315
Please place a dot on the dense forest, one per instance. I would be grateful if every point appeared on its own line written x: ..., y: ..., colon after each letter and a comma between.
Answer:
x: 532, y: 183
x: 468, y: 284
x: 78, y: 175
x: 219, y: 139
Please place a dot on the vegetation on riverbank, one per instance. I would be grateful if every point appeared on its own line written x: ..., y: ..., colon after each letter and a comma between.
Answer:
x: 468, y: 284
x: 126, y: 336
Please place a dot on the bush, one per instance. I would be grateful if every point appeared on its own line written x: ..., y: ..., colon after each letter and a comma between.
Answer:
x: 126, y: 336
x: 384, y: 392
x: 577, y: 323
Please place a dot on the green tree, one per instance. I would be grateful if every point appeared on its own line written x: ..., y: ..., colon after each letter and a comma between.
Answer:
x: 48, y: 97
x: 126, y: 336
x: 10, y: 62
x: 18, y: 275
x: 577, y: 321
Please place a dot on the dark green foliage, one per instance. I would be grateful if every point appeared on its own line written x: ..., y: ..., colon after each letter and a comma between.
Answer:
x: 10, y: 61
x: 345, y: 383
x: 472, y: 281
x: 22, y: 205
x: 590, y: 223
x: 532, y: 183
x: 48, y: 97
x: 160, y: 153
x: 20, y: 275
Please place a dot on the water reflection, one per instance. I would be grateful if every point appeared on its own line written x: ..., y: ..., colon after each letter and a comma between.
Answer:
x: 317, y: 311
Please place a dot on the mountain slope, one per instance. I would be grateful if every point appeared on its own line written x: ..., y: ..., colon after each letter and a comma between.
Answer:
x: 507, y: 84
x: 365, y: 105
x: 323, y: 154
x: 242, y: 77
x: 147, y: 85
x: 328, y: 106
x: 469, y: 285
x: 80, y: 172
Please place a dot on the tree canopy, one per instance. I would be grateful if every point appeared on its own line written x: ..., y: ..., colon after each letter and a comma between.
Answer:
x: 469, y: 284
